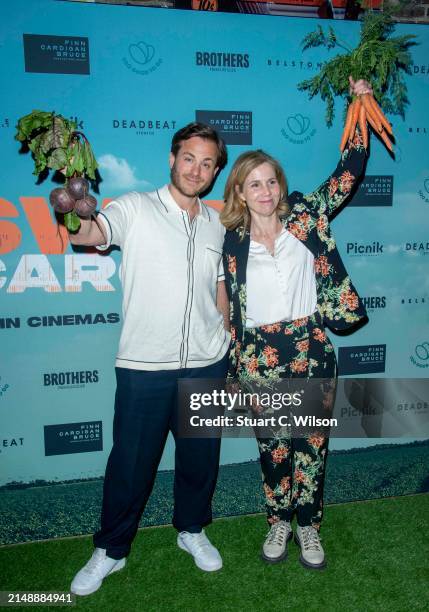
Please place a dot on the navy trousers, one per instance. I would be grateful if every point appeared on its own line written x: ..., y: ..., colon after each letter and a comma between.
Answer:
x: 145, y: 411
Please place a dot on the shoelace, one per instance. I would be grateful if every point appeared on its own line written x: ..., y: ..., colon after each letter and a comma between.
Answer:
x: 198, y: 541
x: 310, y: 539
x: 277, y: 533
x: 94, y: 564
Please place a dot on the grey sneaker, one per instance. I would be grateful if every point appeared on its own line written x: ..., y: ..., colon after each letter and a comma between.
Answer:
x: 312, y: 553
x: 90, y: 577
x: 274, y: 548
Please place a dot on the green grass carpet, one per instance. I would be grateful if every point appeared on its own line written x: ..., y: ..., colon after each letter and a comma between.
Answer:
x: 43, y: 512
x: 377, y: 554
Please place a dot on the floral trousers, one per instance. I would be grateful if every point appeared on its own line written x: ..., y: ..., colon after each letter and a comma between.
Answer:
x: 293, y: 467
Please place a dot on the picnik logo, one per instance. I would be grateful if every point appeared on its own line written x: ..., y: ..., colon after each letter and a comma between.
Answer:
x: 5, y: 123
x: 424, y: 192
x: 420, y: 357
x: 141, y: 58
x: 298, y: 129
x: 356, y: 249
x: 222, y: 61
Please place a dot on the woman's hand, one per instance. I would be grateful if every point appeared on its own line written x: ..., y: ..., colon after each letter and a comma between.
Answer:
x: 360, y: 87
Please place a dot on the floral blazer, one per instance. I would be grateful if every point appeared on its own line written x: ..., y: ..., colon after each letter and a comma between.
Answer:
x: 308, y: 220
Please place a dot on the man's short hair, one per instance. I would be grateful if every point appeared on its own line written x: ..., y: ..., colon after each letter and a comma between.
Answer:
x: 202, y: 131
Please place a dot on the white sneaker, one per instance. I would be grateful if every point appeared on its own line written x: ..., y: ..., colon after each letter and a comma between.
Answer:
x: 206, y: 556
x: 312, y: 553
x: 274, y: 548
x: 89, y: 578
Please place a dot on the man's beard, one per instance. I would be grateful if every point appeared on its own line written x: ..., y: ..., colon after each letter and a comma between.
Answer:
x: 184, y: 190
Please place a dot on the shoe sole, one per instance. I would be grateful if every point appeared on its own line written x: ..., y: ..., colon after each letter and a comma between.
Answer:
x: 115, y: 568
x: 306, y: 564
x: 279, y: 559
x: 200, y: 566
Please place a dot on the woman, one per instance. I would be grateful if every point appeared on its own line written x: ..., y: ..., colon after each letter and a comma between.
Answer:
x: 285, y: 282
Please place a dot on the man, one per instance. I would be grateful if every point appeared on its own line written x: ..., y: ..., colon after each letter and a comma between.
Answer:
x: 175, y: 311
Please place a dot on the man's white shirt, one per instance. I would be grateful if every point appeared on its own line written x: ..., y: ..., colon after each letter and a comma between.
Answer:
x: 169, y: 272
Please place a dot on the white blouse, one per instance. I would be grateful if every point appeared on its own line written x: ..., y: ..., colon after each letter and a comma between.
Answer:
x: 280, y: 287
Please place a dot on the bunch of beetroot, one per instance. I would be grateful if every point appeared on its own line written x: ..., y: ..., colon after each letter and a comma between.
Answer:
x: 74, y: 197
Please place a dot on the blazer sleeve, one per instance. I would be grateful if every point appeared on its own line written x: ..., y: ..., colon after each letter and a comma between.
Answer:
x: 333, y: 192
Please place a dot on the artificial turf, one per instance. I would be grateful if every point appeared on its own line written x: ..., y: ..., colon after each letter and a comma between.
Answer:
x: 377, y: 554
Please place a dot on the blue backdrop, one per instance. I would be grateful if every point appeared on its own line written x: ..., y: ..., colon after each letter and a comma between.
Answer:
x: 131, y: 77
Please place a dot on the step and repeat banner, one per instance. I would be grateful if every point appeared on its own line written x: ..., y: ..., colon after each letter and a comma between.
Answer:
x: 130, y: 77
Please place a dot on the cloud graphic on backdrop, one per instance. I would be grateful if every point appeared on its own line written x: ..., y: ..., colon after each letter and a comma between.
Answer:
x: 118, y: 174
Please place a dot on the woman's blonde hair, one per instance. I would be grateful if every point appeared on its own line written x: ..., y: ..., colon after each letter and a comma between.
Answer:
x: 235, y: 213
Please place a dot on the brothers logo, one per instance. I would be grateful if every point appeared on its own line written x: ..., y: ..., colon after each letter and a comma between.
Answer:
x: 420, y: 357
x: 235, y: 127
x: 218, y: 60
x: 424, y: 193
x: 141, y: 58
x: 374, y: 303
x: 69, y: 438
x: 369, y: 359
x: 298, y: 129
x: 419, y: 248
x: 356, y: 249
x: 70, y: 380
x: 375, y: 190
x: 144, y: 127
x: 56, y: 54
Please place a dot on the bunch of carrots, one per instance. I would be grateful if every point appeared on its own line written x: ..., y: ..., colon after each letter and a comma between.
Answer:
x: 365, y: 109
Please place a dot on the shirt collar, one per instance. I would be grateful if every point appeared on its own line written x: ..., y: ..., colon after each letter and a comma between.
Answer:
x: 171, y: 206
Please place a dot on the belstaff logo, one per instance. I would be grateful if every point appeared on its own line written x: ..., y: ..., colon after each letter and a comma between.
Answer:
x: 412, y: 301
x: 374, y: 190
x: 293, y: 64
x: 56, y: 54
x: 421, y: 131
x: 298, y: 129
x: 424, y: 192
x: 141, y: 58
x: 420, y: 357
x: 221, y: 61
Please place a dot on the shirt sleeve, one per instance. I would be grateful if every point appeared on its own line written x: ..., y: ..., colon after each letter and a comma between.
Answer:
x: 117, y: 218
x: 221, y: 272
